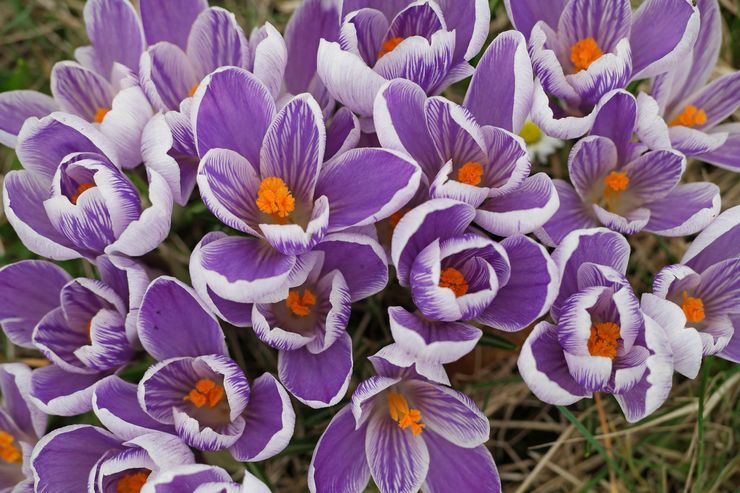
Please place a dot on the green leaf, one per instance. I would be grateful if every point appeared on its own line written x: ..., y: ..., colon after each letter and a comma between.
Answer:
x: 493, y: 340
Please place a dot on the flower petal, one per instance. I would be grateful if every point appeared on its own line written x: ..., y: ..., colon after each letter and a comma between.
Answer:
x: 685, y: 210
x: 166, y: 75
x: 453, y: 468
x: 16, y: 107
x: 269, y: 421
x: 56, y: 391
x: 79, y: 90
x: 170, y: 20
x: 718, y: 241
x: 216, y: 40
x: 115, y: 31
x: 572, y: 215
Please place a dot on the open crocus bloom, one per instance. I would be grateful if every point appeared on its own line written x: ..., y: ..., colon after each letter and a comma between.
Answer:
x: 427, y: 42
x: 101, y: 88
x: 308, y: 326
x: 484, y: 166
x: 73, y: 200
x: 457, y: 276
x: 407, y: 433
x: 706, y: 288
x: 264, y: 174
x: 581, y: 50
x: 86, y: 458
x: 197, y: 388
x: 695, y: 109
x: 86, y: 327
x: 629, y: 186
x: 21, y: 423
x: 601, y: 341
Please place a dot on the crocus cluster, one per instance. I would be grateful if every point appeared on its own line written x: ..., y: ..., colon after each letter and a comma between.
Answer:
x: 337, y: 171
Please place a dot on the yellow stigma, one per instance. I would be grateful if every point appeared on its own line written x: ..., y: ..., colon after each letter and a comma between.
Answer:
x: 691, y: 116
x: 205, y: 392
x: 531, y: 133
x: 9, y: 452
x: 470, y: 173
x: 585, y: 52
x: 300, y: 305
x: 389, y: 46
x: 603, y: 339
x: 693, y: 308
x: 132, y: 482
x: 399, y: 410
x: 100, y: 114
x: 274, y: 197
x: 80, y: 190
x: 453, y: 279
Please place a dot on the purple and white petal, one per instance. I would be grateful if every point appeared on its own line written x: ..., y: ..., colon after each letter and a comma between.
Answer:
x: 453, y: 468
x: 686, y: 210
x: 170, y: 20
x: 18, y: 106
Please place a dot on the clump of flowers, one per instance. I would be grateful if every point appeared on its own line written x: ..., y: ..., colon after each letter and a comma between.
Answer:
x: 333, y: 173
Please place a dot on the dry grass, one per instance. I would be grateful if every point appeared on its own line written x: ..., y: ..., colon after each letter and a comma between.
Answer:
x: 536, y: 448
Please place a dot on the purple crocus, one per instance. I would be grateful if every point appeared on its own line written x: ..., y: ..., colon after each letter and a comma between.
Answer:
x: 85, y: 458
x: 428, y: 42
x: 73, y: 200
x: 173, y: 68
x: 484, y: 166
x: 100, y: 87
x: 407, y: 433
x: 601, y: 341
x: 458, y: 277
x: 582, y: 49
x: 201, y: 478
x: 706, y: 288
x: 629, y: 186
x: 309, y: 324
x: 85, y: 327
x: 197, y: 388
x: 283, y: 179
x: 21, y: 423
x: 695, y: 109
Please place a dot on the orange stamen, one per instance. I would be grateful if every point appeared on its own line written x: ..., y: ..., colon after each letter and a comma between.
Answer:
x: 9, y: 452
x: 80, y: 190
x: 585, y: 52
x: 100, y: 114
x: 206, y: 391
x: 615, y: 183
x: 603, y: 340
x: 192, y: 90
x: 690, y: 117
x: 398, y: 408
x: 274, y: 197
x: 389, y: 46
x: 298, y: 304
x: 133, y: 482
x: 396, y: 217
x: 693, y: 308
x: 470, y: 173
x: 453, y: 279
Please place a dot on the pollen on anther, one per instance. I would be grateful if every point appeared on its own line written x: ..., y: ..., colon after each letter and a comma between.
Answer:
x: 693, y: 308
x: 82, y: 188
x: 389, y: 46
x: 274, y: 197
x: 604, y: 339
x: 132, y: 482
x: 585, y: 52
x: 470, y: 173
x: 8, y: 451
x: 453, y: 279
x: 691, y: 116
x: 300, y: 305
x: 100, y: 114
x: 205, y: 392
x: 398, y: 408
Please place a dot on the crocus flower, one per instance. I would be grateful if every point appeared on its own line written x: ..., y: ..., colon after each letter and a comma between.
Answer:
x: 85, y: 327
x: 73, y: 200
x: 201, y: 478
x: 428, y: 42
x: 309, y: 325
x: 407, y: 433
x: 197, y: 388
x: 582, y: 49
x: 600, y: 341
x: 458, y: 277
x: 629, y: 186
x: 695, y: 109
x: 85, y: 458
x: 100, y: 87
x: 21, y: 423
x: 706, y: 287
x: 484, y: 166
x: 279, y: 177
